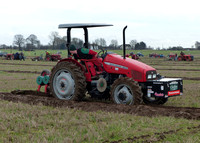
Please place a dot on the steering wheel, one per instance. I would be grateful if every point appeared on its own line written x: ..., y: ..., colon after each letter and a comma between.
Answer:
x: 100, y: 53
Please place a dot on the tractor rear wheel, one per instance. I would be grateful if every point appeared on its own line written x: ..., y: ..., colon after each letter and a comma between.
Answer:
x: 67, y: 82
x: 154, y: 100
x: 125, y: 90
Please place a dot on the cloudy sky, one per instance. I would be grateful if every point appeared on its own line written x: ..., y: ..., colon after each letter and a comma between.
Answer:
x: 159, y: 23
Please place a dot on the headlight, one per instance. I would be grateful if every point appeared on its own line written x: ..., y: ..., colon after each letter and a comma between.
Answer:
x: 154, y: 75
x: 149, y: 76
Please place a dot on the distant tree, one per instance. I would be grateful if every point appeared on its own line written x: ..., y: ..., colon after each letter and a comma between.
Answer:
x: 113, y: 43
x: 100, y: 42
x: 137, y: 46
x: 176, y: 48
x: 19, y: 41
x: 97, y: 42
x: 33, y: 41
x: 140, y: 46
x: 77, y: 42
x: 94, y: 46
x: 4, y: 46
x: 143, y: 45
x: 54, y: 39
x: 158, y: 48
x: 150, y: 48
x: 197, y: 45
x: 133, y: 43
x: 60, y: 43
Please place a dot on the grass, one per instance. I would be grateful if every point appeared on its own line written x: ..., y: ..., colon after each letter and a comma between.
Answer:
x: 64, y: 52
x: 190, y: 98
x: 178, y: 73
x: 15, y: 81
x: 27, y: 123
x: 34, y: 68
x: 22, y: 123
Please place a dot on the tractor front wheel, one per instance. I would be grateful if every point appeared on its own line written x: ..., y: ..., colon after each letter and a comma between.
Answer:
x: 67, y: 82
x: 126, y: 91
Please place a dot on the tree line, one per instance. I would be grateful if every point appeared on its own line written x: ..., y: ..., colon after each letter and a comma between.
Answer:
x: 59, y: 43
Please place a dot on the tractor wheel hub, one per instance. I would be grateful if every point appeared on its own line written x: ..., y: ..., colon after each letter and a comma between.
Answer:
x: 122, y: 96
x: 64, y: 85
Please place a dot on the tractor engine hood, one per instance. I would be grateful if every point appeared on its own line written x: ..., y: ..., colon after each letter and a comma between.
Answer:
x: 116, y: 64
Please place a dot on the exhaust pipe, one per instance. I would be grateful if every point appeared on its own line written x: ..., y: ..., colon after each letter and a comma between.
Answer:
x: 124, y: 43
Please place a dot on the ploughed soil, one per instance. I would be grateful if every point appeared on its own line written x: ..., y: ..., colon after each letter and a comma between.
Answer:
x: 25, y: 64
x: 17, y: 71
x: 34, y: 98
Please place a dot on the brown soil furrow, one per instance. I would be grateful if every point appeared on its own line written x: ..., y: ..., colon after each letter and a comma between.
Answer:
x: 24, y: 64
x: 33, y: 98
x: 188, y: 78
x: 179, y: 69
x: 12, y: 71
x: 157, y: 137
x: 174, y: 64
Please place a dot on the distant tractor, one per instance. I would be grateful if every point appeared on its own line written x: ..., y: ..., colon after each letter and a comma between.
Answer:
x: 9, y: 56
x: 52, y: 57
x: 120, y: 79
x: 15, y: 56
x: 55, y: 57
x: 132, y: 56
x: 172, y: 57
x: 154, y: 55
x: 184, y: 57
x: 38, y: 58
x: 3, y: 54
x: 140, y: 54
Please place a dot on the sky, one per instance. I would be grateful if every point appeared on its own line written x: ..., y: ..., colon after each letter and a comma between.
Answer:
x: 159, y: 23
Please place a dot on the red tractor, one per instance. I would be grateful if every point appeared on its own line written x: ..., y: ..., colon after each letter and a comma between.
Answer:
x: 184, y: 57
x: 9, y: 57
x: 123, y: 80
x: 52, y: 57
x: 171, y: 57
x: 154, y: 55
x: 133, y: 56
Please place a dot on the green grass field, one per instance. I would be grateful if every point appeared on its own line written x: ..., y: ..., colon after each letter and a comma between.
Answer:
x: 64, y: 52
x: 30, y: 123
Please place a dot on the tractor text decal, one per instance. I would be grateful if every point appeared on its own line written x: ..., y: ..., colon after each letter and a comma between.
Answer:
x: 175, y: 92
x: 159, y: 94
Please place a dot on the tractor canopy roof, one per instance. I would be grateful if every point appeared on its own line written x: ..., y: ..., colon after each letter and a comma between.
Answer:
x: 82, y: 25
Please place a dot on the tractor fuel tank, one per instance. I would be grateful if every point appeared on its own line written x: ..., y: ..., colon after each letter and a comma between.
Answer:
x: 165, y: 87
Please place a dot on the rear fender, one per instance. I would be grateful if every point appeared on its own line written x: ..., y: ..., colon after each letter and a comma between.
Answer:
x: 73, y: 61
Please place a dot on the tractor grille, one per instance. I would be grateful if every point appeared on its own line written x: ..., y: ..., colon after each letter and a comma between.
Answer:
x: 136, y: 75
